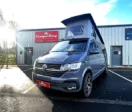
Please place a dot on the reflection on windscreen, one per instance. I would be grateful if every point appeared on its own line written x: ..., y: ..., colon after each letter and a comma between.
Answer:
x: 70, y: 46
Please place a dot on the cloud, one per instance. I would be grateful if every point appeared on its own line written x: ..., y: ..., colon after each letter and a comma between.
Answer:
x: 114, y: 22
x: 49, y: 13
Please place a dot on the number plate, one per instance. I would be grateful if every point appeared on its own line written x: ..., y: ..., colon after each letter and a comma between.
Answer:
x: 42, y: 83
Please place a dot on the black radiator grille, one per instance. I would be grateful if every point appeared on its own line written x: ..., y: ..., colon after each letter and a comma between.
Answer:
x: 49, y: 73
x: 49, y: 66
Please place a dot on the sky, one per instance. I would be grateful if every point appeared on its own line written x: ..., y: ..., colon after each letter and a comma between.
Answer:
x: 31, y: 14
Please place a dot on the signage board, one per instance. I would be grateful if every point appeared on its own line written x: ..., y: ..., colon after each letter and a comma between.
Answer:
x: 46, y: 36
x: 128, y: 34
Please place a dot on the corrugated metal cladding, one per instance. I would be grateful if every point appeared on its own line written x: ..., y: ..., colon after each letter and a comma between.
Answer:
x: 113, y: 35
x: 27, y: 39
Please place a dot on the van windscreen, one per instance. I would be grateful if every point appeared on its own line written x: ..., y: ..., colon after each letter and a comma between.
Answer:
x: 70, y: 46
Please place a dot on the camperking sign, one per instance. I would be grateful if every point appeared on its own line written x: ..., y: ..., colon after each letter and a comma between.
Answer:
x: 46, y: 36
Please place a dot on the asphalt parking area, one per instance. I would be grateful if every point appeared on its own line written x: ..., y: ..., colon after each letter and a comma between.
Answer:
x: 124, y: 72
x: 110, y: 87
x: 110, y: 93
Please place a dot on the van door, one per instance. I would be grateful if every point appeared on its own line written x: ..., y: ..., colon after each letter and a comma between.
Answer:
x: 105, y: 57
x: 102, y: 59
x: 94, y: 61
x: 102, y: 56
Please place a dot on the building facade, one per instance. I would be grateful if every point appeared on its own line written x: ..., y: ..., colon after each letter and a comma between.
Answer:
x: 117, y: 39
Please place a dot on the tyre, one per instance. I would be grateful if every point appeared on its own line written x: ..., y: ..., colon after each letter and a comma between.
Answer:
x: 87, y: 85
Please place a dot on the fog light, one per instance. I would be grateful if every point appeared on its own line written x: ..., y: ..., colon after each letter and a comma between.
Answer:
x: 71, y: 88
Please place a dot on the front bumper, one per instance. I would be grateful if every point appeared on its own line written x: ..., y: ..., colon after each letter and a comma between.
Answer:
x: 59, y: 83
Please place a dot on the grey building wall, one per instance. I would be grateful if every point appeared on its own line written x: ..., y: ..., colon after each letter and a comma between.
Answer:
x: 26, y: 38
x: 113, y: 35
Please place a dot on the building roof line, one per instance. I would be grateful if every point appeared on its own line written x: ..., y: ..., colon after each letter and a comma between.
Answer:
x: 116, y: 25
x: 63, y: 28
x: 40, y: 29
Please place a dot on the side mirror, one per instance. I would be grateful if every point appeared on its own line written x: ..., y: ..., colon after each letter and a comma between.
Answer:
x: 94, y: 51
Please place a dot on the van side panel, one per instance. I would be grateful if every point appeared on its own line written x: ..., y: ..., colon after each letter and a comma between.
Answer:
x: 100, y: 58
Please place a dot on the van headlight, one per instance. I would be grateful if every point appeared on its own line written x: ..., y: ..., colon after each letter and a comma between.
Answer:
x: 72, y: 66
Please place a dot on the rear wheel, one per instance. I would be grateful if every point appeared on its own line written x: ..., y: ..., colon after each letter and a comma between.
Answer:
x: 87, y: 85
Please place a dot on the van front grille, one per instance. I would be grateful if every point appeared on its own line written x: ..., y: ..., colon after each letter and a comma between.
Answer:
x: 49, y: 73
x: 49, y: 66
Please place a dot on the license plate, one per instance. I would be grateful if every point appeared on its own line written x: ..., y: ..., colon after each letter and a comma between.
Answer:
x: 42, y: 83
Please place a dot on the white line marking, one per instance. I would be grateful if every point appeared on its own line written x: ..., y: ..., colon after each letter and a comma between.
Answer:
x: 28, y: 69
x: 121, y: 76
x: 29, y: 89
x: 103, y: 101
x: 123, y: 70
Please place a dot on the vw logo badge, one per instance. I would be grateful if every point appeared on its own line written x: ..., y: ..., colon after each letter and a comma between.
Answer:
x: 44, y: 66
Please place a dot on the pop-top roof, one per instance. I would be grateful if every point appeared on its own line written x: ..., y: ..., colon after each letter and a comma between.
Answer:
x: 80, y: 18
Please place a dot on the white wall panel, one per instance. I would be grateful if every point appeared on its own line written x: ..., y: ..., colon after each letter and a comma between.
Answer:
x: 27, y: 39
x: 115, y: 36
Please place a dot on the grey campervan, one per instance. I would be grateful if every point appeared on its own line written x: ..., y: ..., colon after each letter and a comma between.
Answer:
x: 73, y: 64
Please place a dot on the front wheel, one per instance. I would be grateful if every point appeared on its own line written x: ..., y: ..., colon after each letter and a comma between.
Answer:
x: 87, y: 85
